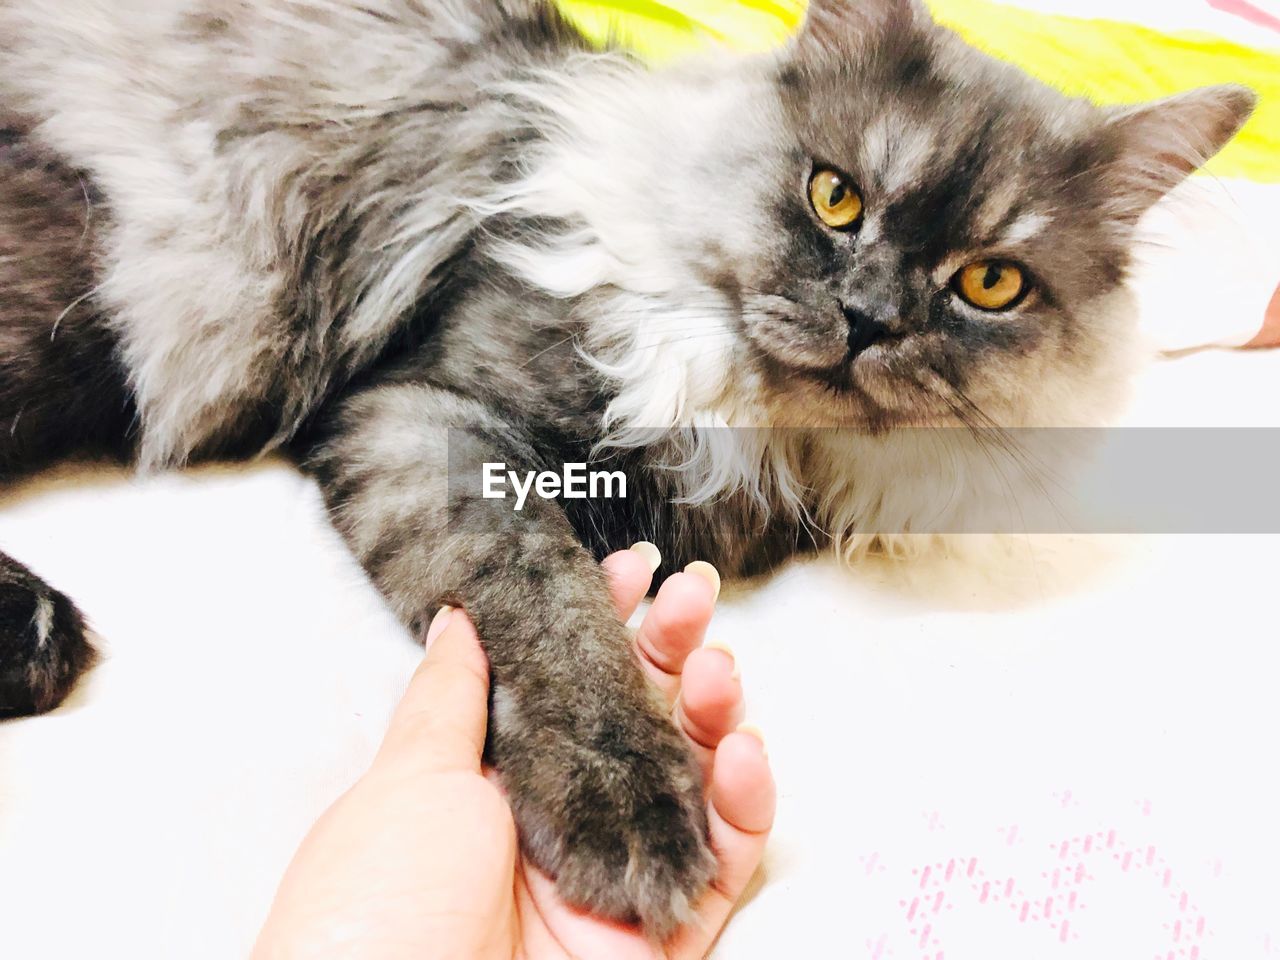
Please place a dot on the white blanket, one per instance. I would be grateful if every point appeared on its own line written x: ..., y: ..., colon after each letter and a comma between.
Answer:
x: 1073, y: 758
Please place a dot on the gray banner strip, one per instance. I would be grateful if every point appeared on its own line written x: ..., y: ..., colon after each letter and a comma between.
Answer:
x: 925, y: 480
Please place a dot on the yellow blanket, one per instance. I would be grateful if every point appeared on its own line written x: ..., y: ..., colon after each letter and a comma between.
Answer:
x: 1109, y: 61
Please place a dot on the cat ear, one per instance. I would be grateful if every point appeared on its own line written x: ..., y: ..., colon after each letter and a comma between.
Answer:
x: 1163, y: 143
x: 842, y: 26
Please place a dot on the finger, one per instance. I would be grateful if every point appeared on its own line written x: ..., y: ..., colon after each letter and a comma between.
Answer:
x: 711, y: 704
x: 741, y: 813
x: 442, y: 718
x: 674, y: 627
x: 630, y: 575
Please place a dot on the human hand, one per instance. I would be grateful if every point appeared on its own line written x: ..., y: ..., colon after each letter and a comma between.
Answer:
x: 1270, y: 335
x: 420, y: 858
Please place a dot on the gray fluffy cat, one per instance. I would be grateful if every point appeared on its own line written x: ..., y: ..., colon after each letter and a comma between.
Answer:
x: 342, y: 227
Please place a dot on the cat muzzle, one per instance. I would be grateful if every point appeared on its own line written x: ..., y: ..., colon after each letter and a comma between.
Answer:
x: 865, y: 331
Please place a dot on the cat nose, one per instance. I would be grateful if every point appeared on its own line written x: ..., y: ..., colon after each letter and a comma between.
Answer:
x: 865, y: 330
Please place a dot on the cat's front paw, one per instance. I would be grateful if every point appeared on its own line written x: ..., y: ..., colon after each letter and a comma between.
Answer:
x: 44, y: 647
x: 618, y: 819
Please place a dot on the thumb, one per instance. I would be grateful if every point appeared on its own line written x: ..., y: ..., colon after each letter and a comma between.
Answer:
x: 441, y: 721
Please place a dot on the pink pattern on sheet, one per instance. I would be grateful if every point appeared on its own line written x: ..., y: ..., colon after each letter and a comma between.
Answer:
x: 1058, y: 902
x: 1242, y: 8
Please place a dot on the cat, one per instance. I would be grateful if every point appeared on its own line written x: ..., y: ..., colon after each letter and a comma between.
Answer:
x: 401, y: 240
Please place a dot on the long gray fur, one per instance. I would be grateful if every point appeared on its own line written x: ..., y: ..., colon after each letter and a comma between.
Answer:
x: 402, y: 238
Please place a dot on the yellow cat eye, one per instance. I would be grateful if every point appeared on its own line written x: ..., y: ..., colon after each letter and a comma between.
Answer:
x: 991, y: 284
x: 835, y: 200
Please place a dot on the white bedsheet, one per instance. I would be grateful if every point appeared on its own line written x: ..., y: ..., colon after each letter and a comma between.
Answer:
x: 1074, y: 758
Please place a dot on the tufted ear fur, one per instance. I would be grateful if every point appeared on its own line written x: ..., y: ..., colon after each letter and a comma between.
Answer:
x: 842, y: 26
x: 1155, y: 146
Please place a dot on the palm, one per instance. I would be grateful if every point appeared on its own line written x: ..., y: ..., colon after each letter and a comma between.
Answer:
x: 421, y: 858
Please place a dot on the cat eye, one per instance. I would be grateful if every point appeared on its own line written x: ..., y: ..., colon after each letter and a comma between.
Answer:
x: 835, y: 200
x: 991, y: 284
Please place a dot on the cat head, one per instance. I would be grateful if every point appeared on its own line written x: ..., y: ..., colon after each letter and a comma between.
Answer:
x: 879, y: 225
x: 951, y: 237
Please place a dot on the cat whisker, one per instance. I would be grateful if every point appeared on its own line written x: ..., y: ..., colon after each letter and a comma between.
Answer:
x: 994, y: 437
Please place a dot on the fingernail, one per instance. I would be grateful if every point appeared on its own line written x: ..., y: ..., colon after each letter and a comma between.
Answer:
x: 700, y: 568
x: 726, y: 649
x: 651, y: 554
x: 438, y: 625
x: 751, y: 730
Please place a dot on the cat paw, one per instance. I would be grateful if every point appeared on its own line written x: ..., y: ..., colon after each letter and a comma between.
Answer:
x: 44, y: 646
x: 620, y: 824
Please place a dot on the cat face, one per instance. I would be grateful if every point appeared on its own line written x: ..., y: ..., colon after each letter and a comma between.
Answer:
x: 946, y: 239
x: 879, y: 226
